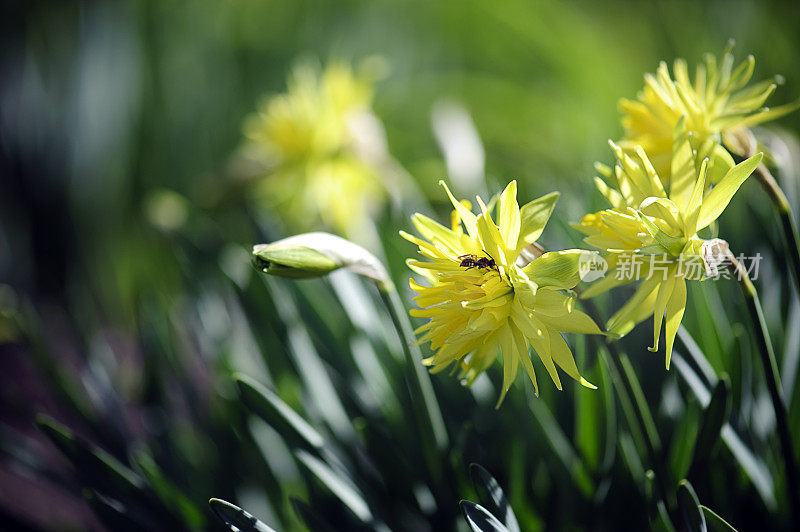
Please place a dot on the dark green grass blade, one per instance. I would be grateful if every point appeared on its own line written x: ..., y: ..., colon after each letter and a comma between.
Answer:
x: 237, y: 519
x: 562, y: 448
x: 339, y: 486
x: 693, y: 517
x: 479, y: 519
x: 715, y: 417
x: 309, y: 516
x: 715, y: 521
x: 492, y: 497
x: 751, y: 464
x: 267, y: 405
x: 170, y: 495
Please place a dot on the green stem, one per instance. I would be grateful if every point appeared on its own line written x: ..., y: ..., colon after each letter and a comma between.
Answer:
x: 772, y: 376
x: 788, y: 223
x: 632, y: 399
x: 426, y: 408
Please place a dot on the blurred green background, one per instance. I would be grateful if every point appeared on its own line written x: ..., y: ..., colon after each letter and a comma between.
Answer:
x: 127, y: 299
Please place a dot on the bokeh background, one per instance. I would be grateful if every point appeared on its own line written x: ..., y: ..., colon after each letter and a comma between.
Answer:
x: 127, y: 299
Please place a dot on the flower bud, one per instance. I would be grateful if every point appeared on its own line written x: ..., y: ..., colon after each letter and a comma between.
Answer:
x: 715, y: 254
x: 316, y: 254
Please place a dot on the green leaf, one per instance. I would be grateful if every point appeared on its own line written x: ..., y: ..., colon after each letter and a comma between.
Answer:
x: 632, y: 458
x: 268, y: 406
x: 171, y: 496
x: 479, y: 519
x: 689, y: 505
x: 657, y: 511
x: 95, y: 466
x: 237, y: 519
x: 650, y: 492
x: 338, y: 485
x: 663, y: 522
x: 636, y: 437
x: 310, y: 366
x: 589, y: 415
x: 310, y: 517
x: 119, y: 487
x: 753, y: 466
x: 492, y: 497
x: 682, y: 449
x: 610, y: 418
x: 118, y: 516
x: 63, y: 384
x: 714, y: 418
x: 562, y: 447
x: 718, y: 522
x: 703, y: 362
x: 533, y: 218
x: 641, y: 404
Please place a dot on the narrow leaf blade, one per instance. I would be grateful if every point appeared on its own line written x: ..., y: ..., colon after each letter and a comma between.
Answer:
x: 492, y: 497
x: 479, y: 519
x: 237, y: 519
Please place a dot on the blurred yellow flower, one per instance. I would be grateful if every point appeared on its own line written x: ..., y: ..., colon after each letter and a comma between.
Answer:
x: 306, y: 139
x: 651, y: 235
x: 716, y: 103
x: 479, y: 299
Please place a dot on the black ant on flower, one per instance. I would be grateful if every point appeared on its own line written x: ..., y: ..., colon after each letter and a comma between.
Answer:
x: 471, y: 260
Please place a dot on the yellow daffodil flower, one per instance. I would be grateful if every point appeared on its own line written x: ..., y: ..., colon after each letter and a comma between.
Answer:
x: 717, y: 103
x: 651, y: 233
x: 480, y: 299
x: 307, y: 142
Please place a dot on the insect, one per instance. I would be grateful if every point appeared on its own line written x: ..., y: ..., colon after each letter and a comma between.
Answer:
x: 471, y: 260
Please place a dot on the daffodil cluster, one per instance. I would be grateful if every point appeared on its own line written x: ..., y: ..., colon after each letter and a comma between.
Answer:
x: 307, y: 143
x: 674, y: 176
x: 654, y: 230
x: 714, y: 106
x: 477, y: 296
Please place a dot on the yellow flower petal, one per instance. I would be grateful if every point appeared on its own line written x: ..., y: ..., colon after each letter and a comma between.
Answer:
x: 664, y: 293
x: 509, y: 218
x: 719, y: 197
x: 674, y: 314
x: 467, y: 218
